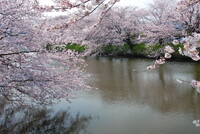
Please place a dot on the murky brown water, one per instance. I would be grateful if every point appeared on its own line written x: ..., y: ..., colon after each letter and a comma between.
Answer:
x: 121, y: 102
x: 129, y: 102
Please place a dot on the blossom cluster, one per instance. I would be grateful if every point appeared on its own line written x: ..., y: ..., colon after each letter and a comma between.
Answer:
x: 191, y: 44
x: 196, y: 123
x: 168, y: 51
x: 182, y: 5
x: 77, y: 10
x: 28, y: 74
x: 190, y: 49
x: 196, y: 85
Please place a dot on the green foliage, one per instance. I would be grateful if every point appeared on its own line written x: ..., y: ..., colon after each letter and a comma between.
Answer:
x: 49, y: 47
x: 176, y: 47
x: 75, y: 47
x: 109, y: 49
x: 113, y: 50
x: 126, y: 47
x: 155, y: 47
x: 139, y: 48
x: 58, y: 48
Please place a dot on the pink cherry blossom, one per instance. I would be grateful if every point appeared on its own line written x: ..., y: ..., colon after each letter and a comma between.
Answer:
x: 191, y: 43
x: 160, y: 61
x: 28, y: 73
x: 195, y: 84
x: 196, y: 123
x: 188, y: 15
x: 175, y: 42
x: 159, y: 19
x: 169, y: 49
x: 151, y: 67
x: 167, y: 55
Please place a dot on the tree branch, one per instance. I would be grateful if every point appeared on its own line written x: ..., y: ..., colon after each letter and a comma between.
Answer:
x: 21, y: 52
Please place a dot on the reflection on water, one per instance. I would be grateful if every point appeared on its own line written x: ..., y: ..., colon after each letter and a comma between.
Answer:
x: 158, y: 89
x: 151, y: 102
x: 23, y: 120
x: 125, y: 102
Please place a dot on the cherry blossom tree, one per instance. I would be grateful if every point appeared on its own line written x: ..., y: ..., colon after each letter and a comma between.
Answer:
x: 77, y: 10
x: 160, y: 21
x: 189, y: 15
x: 29, y: 75
x: 120, y: 25
x: 190, y: 49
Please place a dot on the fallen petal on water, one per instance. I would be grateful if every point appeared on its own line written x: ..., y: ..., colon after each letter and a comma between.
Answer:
x: 179, y: 81
x: 197, y: 125
x: 194, y: 122
x: 198, y: 90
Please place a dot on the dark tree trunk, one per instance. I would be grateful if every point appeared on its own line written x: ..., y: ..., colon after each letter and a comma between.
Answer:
x: 130, y: 44
x: 161, y: 41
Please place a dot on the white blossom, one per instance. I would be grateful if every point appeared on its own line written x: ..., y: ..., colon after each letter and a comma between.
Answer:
x: 175, y: 42
x: 94, y: 2
x: 160, y: 61
x: 196, y: 123
x: 151, y: 67
x: 89, y: 6
x: 195, y: 84
x: 169, y: 49
x: 167, y: 55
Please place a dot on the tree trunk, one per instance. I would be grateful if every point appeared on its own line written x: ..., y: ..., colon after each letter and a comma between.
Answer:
x: 161, y: 41
x: 130, y: 44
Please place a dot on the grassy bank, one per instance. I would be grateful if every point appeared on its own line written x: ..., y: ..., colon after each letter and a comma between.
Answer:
x: 138, y: 50
x: 71, y: 46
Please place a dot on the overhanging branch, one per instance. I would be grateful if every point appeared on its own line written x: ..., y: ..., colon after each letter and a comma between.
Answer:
x: 15, y: 53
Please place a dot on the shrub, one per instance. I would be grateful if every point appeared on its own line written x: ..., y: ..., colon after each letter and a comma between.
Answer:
x: 113, y: 50
x: 75, y: 47
x: 139, y: 48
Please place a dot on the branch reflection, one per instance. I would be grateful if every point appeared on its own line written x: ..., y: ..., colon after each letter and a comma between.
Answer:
x: 23, y: 120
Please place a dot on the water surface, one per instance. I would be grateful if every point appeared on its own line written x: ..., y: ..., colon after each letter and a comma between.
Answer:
x: 121, y: 101
x: 128, y: 102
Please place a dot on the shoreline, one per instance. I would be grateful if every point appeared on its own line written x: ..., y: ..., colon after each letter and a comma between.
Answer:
x: 131, y: 56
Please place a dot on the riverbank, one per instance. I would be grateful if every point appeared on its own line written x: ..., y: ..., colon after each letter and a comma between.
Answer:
x: 140, y: 51
x: 124, y: 51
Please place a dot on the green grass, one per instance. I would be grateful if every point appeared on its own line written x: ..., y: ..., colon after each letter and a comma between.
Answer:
x: 155, y: 47
x: 75, y: 47
x: 176, y: 47
x: 139, y: 49
x: 113, y: 50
